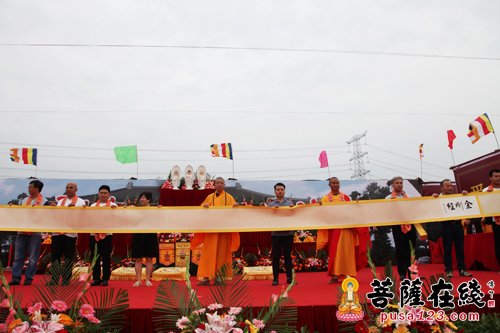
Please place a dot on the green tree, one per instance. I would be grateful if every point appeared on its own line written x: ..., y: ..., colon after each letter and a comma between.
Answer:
x: 374, y: 191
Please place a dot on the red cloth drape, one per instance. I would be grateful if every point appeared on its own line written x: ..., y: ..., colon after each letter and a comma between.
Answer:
x: 183, y: 197
x: 477, y: 247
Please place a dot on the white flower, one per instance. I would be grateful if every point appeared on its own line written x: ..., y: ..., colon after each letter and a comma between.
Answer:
x: 37, y: 316
x: 405, y: 321
x: 216, y: 323
x: 182, y: 322
x: 54, y: 317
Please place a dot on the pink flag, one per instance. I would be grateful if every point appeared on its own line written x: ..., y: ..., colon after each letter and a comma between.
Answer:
x: 323, y: 159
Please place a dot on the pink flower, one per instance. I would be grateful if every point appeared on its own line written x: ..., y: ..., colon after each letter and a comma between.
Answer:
x: 46, y: 327
x: 199, y: 311
x: 182, y: 322
x: 233, y: 311
x: 36, y: 307
x: 7, y: 292
x: 23, y: 328
x: 258, y: 323
x: 84, y: 277
x: 59, y: 306
x: 86, y: 311
x: 214, y: 306
x: 3, y: 328
x: 5, y: 303
x: 93, y: 320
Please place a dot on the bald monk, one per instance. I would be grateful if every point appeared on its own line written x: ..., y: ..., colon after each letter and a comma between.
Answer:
x: 346, y: 247
x: 217, y: 247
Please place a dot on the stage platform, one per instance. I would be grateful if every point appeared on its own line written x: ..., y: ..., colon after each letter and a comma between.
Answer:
x: 315, y: 299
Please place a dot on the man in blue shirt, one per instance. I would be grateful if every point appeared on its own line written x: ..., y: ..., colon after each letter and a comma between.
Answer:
x: 281, y: 240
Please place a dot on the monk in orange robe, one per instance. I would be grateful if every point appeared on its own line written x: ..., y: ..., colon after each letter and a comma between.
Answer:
x: 217, y: 247
x: 346, y: 247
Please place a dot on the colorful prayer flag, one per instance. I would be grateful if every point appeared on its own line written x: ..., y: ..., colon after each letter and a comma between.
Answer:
x: 226, y: 150
x: 479, y: 127
x: 421, y: 150
x: 323, y: 159
x: 126, y: 154
x: 28, y: 155
x: 451, y: 138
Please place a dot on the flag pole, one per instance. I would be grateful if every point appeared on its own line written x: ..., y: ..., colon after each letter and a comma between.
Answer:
x: 452, y: 157
x: 496, y: 139
x: 421, y: 169
x: 329, y: 175
x: 137, y: 163
x: 233, y: 166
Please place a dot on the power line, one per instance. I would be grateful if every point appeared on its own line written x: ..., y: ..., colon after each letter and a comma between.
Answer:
x: 388, y: 166
x: 305, y: 112
x: 170, y: 150
x: 156, y: 172
x: 242, y: 48
x: 406, y: 157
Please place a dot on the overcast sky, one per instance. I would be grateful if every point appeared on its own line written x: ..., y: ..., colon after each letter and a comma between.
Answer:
x: 280, y: 80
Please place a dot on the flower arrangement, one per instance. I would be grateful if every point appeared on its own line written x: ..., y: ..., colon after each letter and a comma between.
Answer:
x: 217, y: 318
x: 175, y: 237
x: 227, y: 310
x: 301, y: 262
x: 303, y: 236
x: 63, y: 309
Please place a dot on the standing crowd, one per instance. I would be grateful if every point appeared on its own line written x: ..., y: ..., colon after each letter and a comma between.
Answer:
x: 346, y: 247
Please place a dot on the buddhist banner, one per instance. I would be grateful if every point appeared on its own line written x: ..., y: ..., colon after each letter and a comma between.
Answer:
x: 226, y: 219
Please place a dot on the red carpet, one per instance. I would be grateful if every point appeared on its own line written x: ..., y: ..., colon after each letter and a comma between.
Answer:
x: 315, y: 298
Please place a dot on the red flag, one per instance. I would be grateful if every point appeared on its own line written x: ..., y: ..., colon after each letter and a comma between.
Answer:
x: 451, y: 137
x: 323, y: 159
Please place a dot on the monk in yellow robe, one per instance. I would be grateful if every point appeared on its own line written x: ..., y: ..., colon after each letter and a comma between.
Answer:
x: 346, y: 247
x: 217, y: 247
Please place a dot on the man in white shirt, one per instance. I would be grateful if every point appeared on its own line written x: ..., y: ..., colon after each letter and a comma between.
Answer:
x: 64, y: 244
x: 28, y: 242
x: 104, y: 243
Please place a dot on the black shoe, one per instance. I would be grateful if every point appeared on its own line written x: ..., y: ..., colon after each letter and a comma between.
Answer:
x: 463, y: 272
x: 28, y: 282
x: 95, y: 283
x: 289, y: 280
x: 14, y: 283
x: 104, y: 283
x: 204, y: 282
x: 449, y: 274
x: 275, y: 282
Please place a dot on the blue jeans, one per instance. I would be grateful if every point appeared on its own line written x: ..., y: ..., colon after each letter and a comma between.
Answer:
x: 26, y: 244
